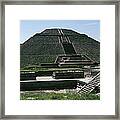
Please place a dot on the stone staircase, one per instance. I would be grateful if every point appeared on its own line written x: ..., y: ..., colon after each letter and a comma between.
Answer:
x: 88, y: 88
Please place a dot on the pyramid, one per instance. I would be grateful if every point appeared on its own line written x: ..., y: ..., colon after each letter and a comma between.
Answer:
x: 51, y: 45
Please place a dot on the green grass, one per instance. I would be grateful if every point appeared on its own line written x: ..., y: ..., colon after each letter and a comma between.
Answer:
x: 39, y: 68
x: 57, y: 96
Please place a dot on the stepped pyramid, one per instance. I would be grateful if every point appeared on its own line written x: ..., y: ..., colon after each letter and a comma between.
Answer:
x: 46, y: 46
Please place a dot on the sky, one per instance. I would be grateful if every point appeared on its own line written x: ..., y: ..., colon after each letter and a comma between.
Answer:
x: 30, y: 27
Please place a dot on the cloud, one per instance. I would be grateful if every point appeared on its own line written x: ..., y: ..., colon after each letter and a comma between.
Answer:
x: 90, y: 24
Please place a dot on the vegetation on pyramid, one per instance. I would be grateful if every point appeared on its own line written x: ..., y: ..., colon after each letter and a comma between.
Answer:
x: 44, y: 47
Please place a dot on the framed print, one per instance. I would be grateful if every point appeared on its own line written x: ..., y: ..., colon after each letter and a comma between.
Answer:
x: 59, y: 59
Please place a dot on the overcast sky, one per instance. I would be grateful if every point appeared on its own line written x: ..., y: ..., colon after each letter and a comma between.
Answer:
x: 30, y: 27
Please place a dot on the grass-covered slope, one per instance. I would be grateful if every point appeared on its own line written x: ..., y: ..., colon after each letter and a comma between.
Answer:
x: 44, y: 47
x: 57, y: 96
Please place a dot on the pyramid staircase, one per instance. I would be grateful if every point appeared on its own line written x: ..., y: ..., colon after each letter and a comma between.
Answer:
x: 66, y: 43
x: 88, y: 88
x: 68, y: 48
